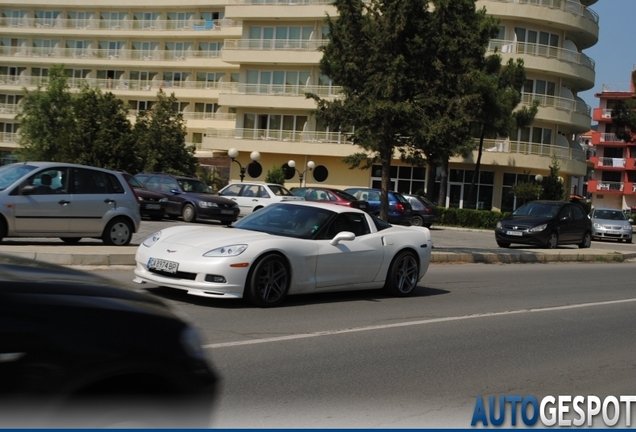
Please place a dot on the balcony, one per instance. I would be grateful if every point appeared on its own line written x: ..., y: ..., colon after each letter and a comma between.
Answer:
x: 573, y: 65
x: 608, y: 187
x: 273, y: 95
x: 301, y: 51
x: 280, y: 9
x: 53, y: 55
x: 606, y: 139
x: 97, y: 25
x: 561, y: 110
x: 8, y: 140
x: 602, y: 115
x: 609, y: 164
x: 569, y: 15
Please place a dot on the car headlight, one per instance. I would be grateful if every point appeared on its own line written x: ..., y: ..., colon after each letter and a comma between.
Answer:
x: 226, y: 251
x: 538, y: 228
x: 192, y: 343
x: 498, y: 226
x: 163, y: 200
x: 597, y: 225
x: 206, y: 204
x: 140, y: 199
x: 627, y: 227
x: 152, y: 239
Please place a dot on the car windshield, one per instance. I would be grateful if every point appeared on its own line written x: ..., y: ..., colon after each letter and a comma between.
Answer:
x: 280, y: 191
x: 194, y: 186
x: 535, y: 209
x: 10, y: 173
x: 609, y: 215
x: 286, y: 220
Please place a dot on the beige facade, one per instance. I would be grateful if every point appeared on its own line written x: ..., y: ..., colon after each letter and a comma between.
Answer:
x: 240, y: 69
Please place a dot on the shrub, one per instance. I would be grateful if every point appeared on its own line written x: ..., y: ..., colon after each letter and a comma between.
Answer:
x: 468, y: 218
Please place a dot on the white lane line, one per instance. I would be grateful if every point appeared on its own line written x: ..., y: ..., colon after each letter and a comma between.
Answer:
x: 411, y: 323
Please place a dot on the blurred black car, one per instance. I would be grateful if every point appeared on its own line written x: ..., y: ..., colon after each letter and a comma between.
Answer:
x: 190, y: 198
x: 151, y: 204
x: 76, y: 351
x: 545, y: 223
x: 425, y: 213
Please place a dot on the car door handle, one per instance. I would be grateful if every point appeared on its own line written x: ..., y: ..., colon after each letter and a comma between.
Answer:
x: 109, y: 201
x: 63, y: 202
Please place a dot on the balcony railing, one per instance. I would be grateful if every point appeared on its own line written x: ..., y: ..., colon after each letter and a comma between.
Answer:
x: 110, y: 54
x: 278, y: 89
x: 274, y: 44
x: 572, y: 6
x: 538, y: 50
x: 117, y: 25
x: 8, y: 137
x: 530, y: 148
x: 279, y: 135
x: 284, y: 2
x: 8, y: 108
x: 611, y: 162
x: 610, y: 137
x: 609, y: 186
x: 561, y: 103
x: 196, y: 115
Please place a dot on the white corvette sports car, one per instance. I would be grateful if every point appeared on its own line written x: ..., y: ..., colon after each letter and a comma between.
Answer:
x: 287, y: 248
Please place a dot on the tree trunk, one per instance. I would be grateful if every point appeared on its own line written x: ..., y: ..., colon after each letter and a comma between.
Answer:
x: 443, y: 185
x: 430, y: 180
x: 472, y: 192
x: 386, y: 177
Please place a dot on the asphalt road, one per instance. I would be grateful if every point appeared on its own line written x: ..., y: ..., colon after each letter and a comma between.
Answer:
x: 361, y: 359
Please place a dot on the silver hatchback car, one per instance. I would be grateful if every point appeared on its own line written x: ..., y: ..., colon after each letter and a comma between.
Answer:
x: 609, y: 223
x: 69, y: 201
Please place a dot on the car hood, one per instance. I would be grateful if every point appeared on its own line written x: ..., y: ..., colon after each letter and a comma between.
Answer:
x: 610, y: 221
x: 525, y: 220
x: 147, y: 193
x: 206, y: 237
x: 211, y: 198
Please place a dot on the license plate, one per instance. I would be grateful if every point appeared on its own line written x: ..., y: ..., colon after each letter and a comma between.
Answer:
x: 363, y: 206
x: 227, y: 211
x: 163, y: 265
x: 514, y: 233
x: 153, y: 206
x: 613, y: 232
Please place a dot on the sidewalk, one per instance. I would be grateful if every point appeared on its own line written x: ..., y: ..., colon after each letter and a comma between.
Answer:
x: 96, y: 254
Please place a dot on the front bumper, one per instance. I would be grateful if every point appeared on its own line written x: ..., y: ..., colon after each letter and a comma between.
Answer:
x: 529, y: 238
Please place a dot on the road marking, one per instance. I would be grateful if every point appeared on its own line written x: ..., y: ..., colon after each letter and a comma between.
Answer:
x: 412, y: 323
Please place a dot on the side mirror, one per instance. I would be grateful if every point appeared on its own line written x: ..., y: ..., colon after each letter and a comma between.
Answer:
x: 343, y: 236
x: 27, y: 190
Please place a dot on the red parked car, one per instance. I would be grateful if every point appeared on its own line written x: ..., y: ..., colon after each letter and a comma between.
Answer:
x: 332, y: 196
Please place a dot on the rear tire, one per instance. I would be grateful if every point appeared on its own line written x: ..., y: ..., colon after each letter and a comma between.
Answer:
x: 403, y: 275
x: 118, y: 232
x: 417, y: 221
x: 188, y: 213
x: 587, y: 241
x: 268, y: 282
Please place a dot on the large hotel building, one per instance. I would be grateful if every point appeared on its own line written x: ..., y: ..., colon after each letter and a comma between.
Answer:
x: 240, y: 70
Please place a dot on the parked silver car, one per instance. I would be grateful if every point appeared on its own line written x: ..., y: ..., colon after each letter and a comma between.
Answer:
x: 251, y: 197
x: 52, y: 199
x: 608, y: 223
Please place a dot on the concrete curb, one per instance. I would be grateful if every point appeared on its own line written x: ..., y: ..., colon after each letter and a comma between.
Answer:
x: 126, y: 257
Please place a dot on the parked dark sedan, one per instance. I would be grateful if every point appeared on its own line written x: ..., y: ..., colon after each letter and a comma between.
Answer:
x: 400, y: 212
x: 77, y: 351
x: 190, y: 198
x: 330, y: 196
x: 151, y: 204
x: 425, y: 213
x: 545, y: 223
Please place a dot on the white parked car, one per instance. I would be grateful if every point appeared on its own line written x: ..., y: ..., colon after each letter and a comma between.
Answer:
x: 287, y: 248
x: 251, y: 197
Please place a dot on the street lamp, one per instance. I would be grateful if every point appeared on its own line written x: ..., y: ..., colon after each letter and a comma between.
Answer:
x: 310, y: 165
x: 233, y: 154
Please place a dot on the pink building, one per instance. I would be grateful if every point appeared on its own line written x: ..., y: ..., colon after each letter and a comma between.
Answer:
x: 614, y: 181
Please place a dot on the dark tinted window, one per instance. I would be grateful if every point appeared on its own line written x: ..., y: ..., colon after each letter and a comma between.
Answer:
x: 114, y: 183
x: 579, y: 213
x: 90, y: 182
x: 380, y: 224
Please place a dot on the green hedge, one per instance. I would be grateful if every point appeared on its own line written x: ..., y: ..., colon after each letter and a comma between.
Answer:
x: 468, y: 218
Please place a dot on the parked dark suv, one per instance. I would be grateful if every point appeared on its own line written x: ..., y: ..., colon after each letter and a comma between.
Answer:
x: 190, y: 198
x: 400, y: 212
x: 545, y: 223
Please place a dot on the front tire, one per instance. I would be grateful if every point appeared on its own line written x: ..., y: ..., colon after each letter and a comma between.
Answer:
x: 188, y: 213
x: 118, y: 232
x: 553, y: 241
x: 403, y: 275
x: 268, y: 282
x: 587, y: 241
